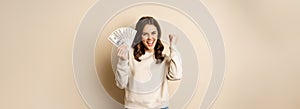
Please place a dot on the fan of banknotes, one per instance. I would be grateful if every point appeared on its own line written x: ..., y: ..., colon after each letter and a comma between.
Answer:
x: 123, y: 35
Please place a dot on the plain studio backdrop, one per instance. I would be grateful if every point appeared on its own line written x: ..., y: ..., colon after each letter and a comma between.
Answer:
x: 261, y: 40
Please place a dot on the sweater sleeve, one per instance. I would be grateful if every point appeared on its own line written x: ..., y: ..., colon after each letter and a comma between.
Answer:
x: 175, y: 65
x: 121, y: 75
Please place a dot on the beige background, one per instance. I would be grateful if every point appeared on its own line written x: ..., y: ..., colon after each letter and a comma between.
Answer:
x: 105, y: 54
x: 261, y: 41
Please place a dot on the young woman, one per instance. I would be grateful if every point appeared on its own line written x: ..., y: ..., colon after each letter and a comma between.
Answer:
x: 143, y: 71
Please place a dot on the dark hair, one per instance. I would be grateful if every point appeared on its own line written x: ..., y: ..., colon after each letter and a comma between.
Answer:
x: 139, y: 47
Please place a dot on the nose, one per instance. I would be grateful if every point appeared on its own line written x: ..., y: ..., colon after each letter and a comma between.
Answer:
x: 151, y: 36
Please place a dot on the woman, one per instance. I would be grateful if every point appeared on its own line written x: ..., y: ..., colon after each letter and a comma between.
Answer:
x: 143, y: 71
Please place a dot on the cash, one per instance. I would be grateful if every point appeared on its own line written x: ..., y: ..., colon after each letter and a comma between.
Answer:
x: 123, y: 35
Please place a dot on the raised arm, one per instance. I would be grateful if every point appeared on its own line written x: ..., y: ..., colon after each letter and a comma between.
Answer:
x: 175, y: 63
x: 122, y: 72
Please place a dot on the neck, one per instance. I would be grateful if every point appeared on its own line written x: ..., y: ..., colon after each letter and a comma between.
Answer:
x: 149, y: 51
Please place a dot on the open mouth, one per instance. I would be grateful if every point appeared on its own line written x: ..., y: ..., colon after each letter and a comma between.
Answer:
x: 150, y: 43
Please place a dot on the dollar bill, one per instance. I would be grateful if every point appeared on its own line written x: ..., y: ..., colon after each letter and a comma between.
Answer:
x: 124, y: 35
x: 115, y: 39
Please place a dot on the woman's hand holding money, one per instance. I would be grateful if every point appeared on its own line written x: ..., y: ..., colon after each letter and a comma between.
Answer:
x: 123, y: 52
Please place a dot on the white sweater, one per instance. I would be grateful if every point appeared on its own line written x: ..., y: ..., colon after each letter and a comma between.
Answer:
x: 145, y: 82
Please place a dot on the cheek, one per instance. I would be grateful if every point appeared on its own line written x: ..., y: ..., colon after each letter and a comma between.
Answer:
x: 155, y: 38
x: 143, y: 38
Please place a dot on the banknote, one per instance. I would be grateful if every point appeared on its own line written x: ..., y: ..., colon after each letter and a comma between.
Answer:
x: 123, y: 35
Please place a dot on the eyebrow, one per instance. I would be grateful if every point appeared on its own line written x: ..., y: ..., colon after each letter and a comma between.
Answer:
x: 150, y: 32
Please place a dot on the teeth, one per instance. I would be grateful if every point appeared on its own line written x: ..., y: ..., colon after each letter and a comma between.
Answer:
x: 150, y: 42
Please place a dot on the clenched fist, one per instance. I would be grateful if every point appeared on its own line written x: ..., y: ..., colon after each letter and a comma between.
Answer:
x: 173, y: 39
x: 123, y: 52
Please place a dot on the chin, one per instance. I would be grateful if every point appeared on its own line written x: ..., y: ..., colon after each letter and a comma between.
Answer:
x: 149, y: 48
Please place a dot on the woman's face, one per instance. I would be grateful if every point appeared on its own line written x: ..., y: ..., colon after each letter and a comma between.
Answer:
x: 149, y: 37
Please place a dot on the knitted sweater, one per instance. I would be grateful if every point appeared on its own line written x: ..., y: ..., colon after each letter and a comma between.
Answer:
x: 145, y: 82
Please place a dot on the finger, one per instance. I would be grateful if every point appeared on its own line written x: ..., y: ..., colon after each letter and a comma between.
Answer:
x: 174, y: 38
x: 171, y: 37
x: 120, y: 55
x: 120, y: 50
x: 124, y: 55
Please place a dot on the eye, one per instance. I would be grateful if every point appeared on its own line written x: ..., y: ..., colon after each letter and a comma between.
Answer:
x: 144, y: 34
x: 154, y: 32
